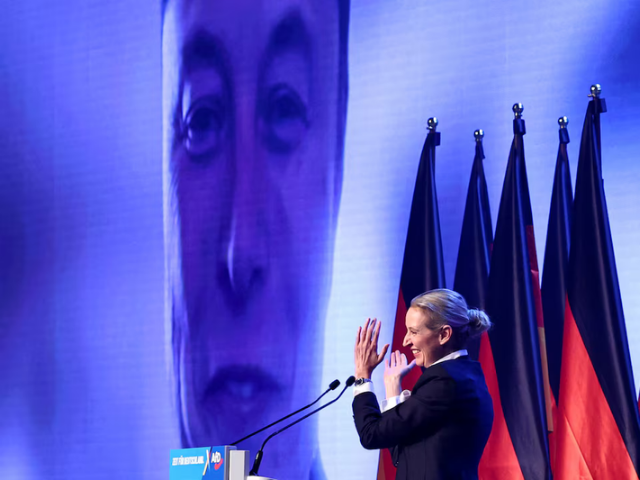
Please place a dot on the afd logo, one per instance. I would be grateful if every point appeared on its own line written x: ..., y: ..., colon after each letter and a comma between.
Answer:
x: 216, y: 459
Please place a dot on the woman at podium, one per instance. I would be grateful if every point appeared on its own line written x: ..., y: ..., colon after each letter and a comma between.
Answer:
x: 439, y: 429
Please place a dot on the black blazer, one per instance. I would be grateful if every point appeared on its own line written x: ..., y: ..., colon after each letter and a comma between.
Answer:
x: 440, y: 431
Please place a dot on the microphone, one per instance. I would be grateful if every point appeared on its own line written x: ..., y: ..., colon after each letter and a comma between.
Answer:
x: 256, y: 464
x: 332, y: 386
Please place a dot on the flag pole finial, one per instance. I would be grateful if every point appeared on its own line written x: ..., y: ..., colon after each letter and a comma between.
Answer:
x: 595, y: 90
x: 518, y: 109
x: 564, y: 132
x: 478, y: 135
x: 432, y: 123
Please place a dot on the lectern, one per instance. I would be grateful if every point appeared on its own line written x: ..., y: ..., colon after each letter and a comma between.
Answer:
x: 210, y: 463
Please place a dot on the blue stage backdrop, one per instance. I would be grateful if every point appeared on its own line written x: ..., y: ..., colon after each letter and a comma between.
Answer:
x: 201, y: 201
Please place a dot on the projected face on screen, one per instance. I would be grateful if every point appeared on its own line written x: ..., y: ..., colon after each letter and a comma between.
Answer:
x: 254, y: 112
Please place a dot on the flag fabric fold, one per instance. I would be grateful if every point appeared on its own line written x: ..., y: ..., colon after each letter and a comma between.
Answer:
x: 422, y: 265
x: 598, y: 423
x: 514, y: 306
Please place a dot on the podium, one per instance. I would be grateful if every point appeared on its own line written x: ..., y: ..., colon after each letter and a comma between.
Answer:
x: 210, y: 463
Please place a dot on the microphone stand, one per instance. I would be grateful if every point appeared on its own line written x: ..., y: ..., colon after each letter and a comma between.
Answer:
x: 332, y: 386
x: 256, y: 464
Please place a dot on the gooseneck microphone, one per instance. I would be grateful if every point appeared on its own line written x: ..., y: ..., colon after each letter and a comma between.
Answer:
x: 256, y: 464
x: 332, y: 386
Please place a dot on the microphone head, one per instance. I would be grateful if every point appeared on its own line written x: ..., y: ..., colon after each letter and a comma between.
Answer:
x: 335, y: 384
x: 351, y: 380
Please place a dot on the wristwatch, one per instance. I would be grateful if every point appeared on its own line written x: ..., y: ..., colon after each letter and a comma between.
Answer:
x: 362, y: 381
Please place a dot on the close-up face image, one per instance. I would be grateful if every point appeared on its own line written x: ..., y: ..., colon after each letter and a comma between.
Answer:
x: 254, y: 163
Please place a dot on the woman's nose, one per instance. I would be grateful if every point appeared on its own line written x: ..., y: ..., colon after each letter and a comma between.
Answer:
x: 247, y: 253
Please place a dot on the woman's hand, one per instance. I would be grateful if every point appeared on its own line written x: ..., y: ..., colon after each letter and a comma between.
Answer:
x: 366, y: 352
x: 394, y: 371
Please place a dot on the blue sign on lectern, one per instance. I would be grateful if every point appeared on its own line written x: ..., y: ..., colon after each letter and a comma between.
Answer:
x: 210, y: 463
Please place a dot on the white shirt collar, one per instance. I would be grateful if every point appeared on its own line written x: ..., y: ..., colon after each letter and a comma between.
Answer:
x: 452, y: 356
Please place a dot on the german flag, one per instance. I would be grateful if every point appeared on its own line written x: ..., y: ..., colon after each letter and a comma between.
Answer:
x: 474, y: 252
x: 556, y: 265
x: 513, y: 303
x: 472, y: 276
x: 423, y: 264
x: 598, y: 424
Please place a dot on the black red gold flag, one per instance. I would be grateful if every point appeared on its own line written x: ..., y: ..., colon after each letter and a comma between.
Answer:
x: 422, y: 265
x: 513, y: 303
x: 556, y: 264
x: 476, y: 238
x: 598, y: 433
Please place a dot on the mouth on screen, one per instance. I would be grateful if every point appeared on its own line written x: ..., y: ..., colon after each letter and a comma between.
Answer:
x: 238, y: 394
